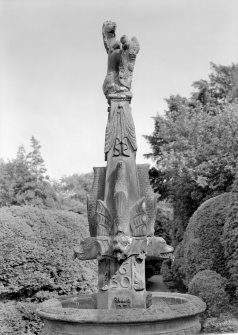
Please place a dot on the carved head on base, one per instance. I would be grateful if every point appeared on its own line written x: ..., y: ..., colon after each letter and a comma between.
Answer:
x: 121, y: 245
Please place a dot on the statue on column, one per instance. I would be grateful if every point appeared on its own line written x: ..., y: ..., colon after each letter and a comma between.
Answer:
x: 121, y: 60
x: 121, y: 204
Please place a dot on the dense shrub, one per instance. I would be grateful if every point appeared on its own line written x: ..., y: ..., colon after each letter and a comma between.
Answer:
x: 37, y: 253
x: 164, y: 221
x: 210, y: 287
x: 230, y: 236
x: 11, y: 321
x: 223, y: 324
x: 167, y: 273
x: 202, y: 248
x: 17, y: 318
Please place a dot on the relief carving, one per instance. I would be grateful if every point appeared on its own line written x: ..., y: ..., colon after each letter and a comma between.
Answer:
x: 104, y: 219
x: 121, y: 199
x: 120, y: 130
x: 93, y: 247
x: 97, y: 192
x: 138, y: 218
x: 150, y: 198
x: 120, y: 245
x: 122, y: 278
x: 138, y: 274
x: 122, y: 302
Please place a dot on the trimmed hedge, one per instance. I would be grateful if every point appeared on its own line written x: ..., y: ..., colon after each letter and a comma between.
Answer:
x: 221, y: 325
x: 202, y: 246
x: 17, y: 318
x: 210, y: 287
x: 230, y: 237
x: 37, y: 253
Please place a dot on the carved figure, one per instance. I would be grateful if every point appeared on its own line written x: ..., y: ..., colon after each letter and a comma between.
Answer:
x: 129, y: 51
x: 121, y: 60
x: 158, y: 248
x: 93, y: 247
x: 121, y: 245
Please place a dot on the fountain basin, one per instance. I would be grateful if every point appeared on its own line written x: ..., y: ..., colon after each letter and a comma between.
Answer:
x: 170, y: 313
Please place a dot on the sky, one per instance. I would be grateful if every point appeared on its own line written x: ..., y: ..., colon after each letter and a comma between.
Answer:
x: 53, y: 64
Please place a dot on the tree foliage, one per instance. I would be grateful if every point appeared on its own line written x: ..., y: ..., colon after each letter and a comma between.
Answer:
x: 210, y: 287
x: 72, y: 191
x: 35, y: 160
x: 195, y: 144
x: 23, y: 180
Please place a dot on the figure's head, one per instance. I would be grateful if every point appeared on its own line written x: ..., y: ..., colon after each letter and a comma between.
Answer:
x: 109, y: 28
x: 109, y: 36
x: 163, y: 248
x: 125, y: 42
x: 121, y: 244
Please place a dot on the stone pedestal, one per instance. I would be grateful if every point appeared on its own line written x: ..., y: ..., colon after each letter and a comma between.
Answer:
x: 121, y: 285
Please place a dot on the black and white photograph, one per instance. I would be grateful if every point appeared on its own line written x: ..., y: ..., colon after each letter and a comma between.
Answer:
x: 118, y: 167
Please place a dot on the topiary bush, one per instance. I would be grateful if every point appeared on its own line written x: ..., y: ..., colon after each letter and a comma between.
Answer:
x: 210, y: 287
x: 223, y: 324
x: 230, y: 237
x: 37, y: 253
x: 202, y: 247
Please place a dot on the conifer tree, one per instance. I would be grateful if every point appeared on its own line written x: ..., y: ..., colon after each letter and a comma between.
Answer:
x: 35, y: 160
x: 22, y: 180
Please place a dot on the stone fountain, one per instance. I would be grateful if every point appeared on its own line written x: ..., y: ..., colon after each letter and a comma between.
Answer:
x: 121, y: 215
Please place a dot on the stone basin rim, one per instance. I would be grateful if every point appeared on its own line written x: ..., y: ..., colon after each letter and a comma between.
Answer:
x: 191, y: 307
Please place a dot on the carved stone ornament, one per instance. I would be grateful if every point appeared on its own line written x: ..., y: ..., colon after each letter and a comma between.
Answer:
x: 93, y: 247
x: 120, y: 131
x: 122, y: 302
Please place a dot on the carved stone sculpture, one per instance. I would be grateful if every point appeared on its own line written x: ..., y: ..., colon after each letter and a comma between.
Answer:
x: 121, y: 215
x: 121, y: 60
x: 121, y: 205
